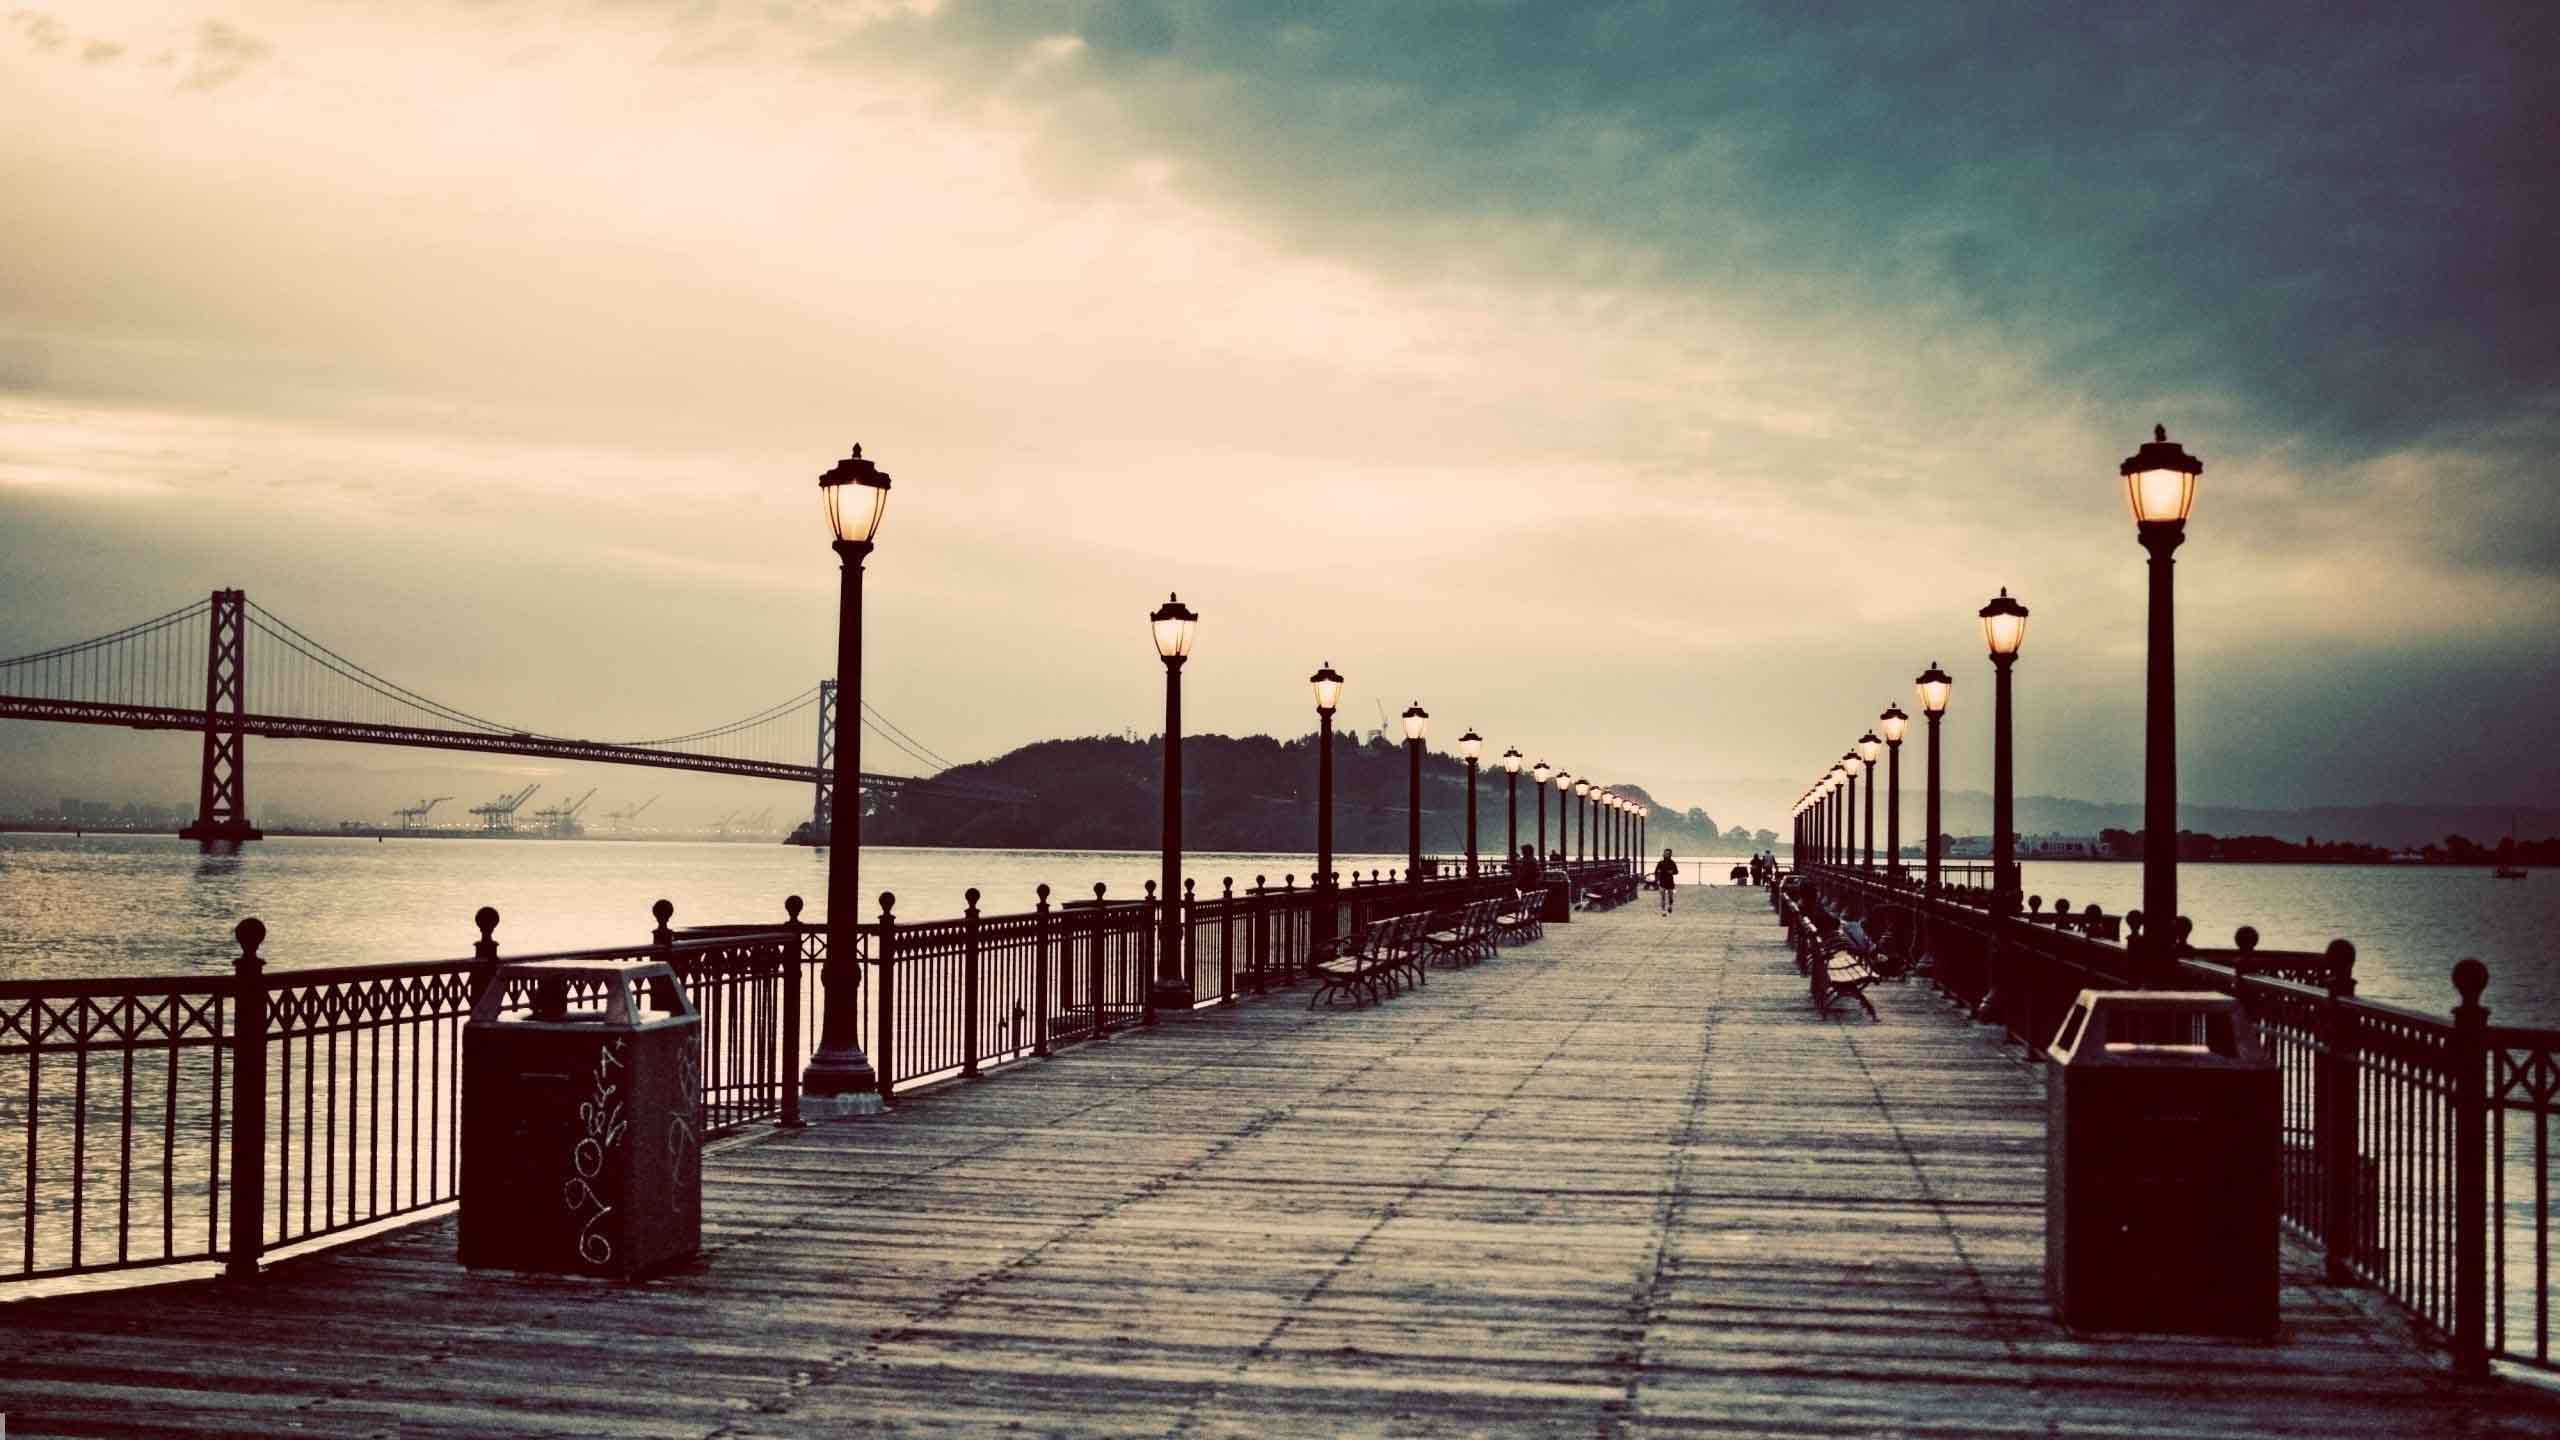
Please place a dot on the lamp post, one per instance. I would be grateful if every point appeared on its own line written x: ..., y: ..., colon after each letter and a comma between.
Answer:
x: 1417, y: 725
x: 839, y: 1078
x: 1869, y: 747
x: 1471, y: 749
x: 1541, y: 773
x: 1935, y: 686
x: 2004, y: 629
x: 1564, y: 827
x: 1511, y: 803
x: 1173, y: 624
x: 1893, y: 723
x: 1853, y: 767
x: 2160, y: 485
x: 1835, y: 846
x: 1582, y: 820
x: 1328, y: 688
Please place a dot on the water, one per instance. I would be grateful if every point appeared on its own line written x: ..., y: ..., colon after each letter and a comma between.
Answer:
x: 106, y: 905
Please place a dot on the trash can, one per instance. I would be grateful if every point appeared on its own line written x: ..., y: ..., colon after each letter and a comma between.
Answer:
x: 2161, y: 1156
x: 1557, y: 906
x: 581, y: 1120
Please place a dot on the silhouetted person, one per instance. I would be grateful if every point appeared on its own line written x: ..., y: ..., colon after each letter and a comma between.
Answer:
x: 1666, y: 873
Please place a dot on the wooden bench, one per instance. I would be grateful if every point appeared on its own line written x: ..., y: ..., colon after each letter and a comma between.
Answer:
x: 1365, y: 966
x: 1521, y: 917
x: 1841, y: 972
x: 1465, y: 937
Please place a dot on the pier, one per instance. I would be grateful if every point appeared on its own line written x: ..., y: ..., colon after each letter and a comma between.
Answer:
x: 1622, y: 1179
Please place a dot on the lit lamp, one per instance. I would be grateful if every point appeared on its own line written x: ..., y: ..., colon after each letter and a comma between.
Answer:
x: 1870, y: 749
x: 1417, y: 725
x: 1511, y: 783
x: 838, y: 1078
x: 2160, y: 485
x: 1328, y: 688
x: 1172, y: 624
x: 1853, y: 767
x: 1471, y: 749
x: 1541, y: 773
x: 1581, y: 819
x: 1935, y: 687
x: 1892, y: 724
x: 2004, y: 629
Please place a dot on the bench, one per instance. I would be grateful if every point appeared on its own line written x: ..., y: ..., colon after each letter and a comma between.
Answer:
x: 1364, y: 966
x: 1840, y: 973
x: 1521, y: 917
x: 1462, y: 936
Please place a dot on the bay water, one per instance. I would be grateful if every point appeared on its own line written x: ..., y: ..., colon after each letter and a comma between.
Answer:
x: 136, y: 905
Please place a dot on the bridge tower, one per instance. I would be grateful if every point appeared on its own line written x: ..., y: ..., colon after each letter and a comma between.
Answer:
x: 222, y: 802
x: 822, y: 817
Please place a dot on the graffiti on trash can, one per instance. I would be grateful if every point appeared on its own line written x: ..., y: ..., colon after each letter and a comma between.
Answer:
x: 681, y: 1140
x: 601, y: 1122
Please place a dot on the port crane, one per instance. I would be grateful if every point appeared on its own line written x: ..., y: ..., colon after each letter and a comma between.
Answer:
x: 410, y: 815
x: 500, y: 814
x: 561, y: 821
x: 628, y: 813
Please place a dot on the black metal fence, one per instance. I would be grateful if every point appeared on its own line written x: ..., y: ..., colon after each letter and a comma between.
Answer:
x: 166, y: 1120
x: 2417, y: 1148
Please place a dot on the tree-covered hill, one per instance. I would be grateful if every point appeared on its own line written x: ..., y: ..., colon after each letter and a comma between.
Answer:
x: 1239, y: 793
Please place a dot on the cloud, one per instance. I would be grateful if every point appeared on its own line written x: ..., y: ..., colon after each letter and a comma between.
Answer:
x: 1722, y: 359
x: 223, y: 55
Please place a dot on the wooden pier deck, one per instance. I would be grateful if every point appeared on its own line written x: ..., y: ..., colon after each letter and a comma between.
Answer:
x: 1619, y: 1182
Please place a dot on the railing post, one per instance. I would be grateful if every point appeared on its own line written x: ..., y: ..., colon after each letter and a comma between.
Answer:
x: 969, y: 985
x: 1289, y: 955
x: 1040, y: 974
x: 1257, y: 936
x: 663, y: 939
x: 484, y: 952
x: 2471, y: 1216
x: 248, y: 1102
x: 1101, y: 1027
x: 1147, y: 956
x: 2334, y: 1120
x: 1227, y: 942
x: 792, y: 1019
x: 884, y: 1039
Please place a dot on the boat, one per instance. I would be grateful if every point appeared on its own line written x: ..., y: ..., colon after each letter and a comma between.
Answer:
x: 2508, y: 870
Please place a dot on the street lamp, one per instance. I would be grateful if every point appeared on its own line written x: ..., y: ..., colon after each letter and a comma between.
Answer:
x: 1172, y: 624
x: 1541, y: 773
x: 1893, y: 723
x: 1869, y: 748
x: 1581, y: 819
x: 1471, y: 749
x: 1328, y: 688
x: 1935, y: 687
x: 1835, y: 843
x: 2160, y: 485
x: 1854, y: 767
x: 839, y: 1077
x: 1417, y: 724
x: 2004, y: 629
x: 1511, y: 783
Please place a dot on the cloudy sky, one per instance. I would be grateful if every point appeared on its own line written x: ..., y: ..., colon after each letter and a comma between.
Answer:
x: 1655, y: 386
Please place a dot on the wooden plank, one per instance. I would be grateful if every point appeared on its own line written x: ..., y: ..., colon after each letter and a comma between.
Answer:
x: 1618, y: 1181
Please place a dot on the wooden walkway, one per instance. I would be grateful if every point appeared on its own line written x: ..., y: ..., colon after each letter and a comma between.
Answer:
x: 1619, y: 1182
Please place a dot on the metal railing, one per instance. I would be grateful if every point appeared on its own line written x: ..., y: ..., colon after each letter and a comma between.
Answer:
x: 219, y: 1118
x: 2416, y: 1148
x: 165, y: 1120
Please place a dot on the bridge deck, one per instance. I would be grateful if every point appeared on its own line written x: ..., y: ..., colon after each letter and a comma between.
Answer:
x: 1617, y: 1182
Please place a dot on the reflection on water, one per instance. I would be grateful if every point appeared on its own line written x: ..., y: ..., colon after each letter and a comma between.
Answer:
x: 107, y: 904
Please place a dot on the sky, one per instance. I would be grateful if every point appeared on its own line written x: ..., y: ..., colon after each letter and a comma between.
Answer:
x: 1655, y: 386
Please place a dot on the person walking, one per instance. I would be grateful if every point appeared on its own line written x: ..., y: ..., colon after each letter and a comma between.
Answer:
x: 1664, y: 873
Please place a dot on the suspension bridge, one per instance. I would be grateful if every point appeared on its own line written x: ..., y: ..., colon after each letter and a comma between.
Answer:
x: 198, y: 668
